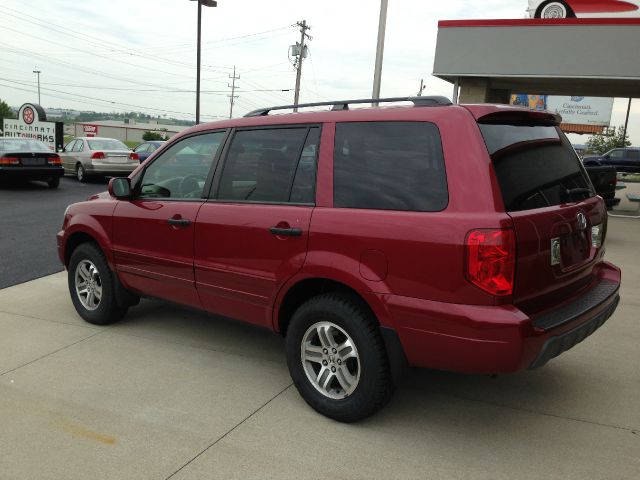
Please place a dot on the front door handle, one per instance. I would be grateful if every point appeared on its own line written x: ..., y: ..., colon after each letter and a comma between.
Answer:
x: 179, y: 222
x: 286, y: 232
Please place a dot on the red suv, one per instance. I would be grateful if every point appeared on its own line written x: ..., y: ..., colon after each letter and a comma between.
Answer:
x: 454, y: 237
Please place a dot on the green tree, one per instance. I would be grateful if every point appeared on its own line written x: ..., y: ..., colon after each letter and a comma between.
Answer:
x: 605, y: 141
x: 152, y: 136
x: 5, y: 112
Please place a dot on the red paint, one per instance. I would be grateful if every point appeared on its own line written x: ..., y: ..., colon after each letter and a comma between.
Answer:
x: 601, y: 6
x: 538, y: 22
x: 410, y: 267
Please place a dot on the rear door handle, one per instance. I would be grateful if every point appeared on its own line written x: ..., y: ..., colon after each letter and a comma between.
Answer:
x: 286, y: 232
x: 179, y: 222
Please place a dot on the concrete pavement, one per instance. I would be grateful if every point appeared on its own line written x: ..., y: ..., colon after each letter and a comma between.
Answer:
x: 171, y: 393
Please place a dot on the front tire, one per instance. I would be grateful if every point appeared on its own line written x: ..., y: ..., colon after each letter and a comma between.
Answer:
x: 54, y: 182
x: 337, y: 359
x: 92, y: 286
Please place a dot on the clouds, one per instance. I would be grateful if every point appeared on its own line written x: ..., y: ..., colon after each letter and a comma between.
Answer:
x: 152, y: 44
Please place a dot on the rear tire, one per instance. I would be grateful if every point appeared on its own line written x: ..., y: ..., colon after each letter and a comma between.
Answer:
x: 557, y: 9
x: 337, y: 359
x: 92, y: 286
x: 54, y: 182
x: 81, y: 173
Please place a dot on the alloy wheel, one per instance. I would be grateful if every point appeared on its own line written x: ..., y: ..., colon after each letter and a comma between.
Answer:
x: 330, y: 360
x: 88, y: 284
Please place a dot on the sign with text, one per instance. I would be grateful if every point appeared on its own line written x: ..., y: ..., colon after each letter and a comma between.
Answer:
x: 32, y: 123
x: 574, y: 110
x: 90, y: 130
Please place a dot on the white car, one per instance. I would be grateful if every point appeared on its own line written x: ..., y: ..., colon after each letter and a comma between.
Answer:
x: 96, y: 156
x: 583, y: 8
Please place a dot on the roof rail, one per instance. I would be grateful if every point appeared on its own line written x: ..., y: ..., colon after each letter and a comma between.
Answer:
x: 430, y: 101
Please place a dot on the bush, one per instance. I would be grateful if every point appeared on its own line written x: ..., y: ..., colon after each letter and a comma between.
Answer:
x: 147, y: 136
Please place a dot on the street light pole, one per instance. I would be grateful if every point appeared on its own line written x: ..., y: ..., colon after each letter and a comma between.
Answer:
x: 377, y: 73
x: 38, y: 72
x: 206, y: 3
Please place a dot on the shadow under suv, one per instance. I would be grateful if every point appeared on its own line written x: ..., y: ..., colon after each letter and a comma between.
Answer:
x: 455, y: 237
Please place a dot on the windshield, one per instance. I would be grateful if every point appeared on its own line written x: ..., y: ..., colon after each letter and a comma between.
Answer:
x: 536, y: 166
x: 106, y: 144
x: 23, y: 145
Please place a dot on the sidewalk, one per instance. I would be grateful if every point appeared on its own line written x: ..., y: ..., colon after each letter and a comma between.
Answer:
x: 170, y: 391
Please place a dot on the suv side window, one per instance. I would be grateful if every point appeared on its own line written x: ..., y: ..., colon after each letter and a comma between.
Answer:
x: 617, y: 154
x: 276, y: 165
x: 181, y: 171
x: 389, y: 166
x: 633, y: 154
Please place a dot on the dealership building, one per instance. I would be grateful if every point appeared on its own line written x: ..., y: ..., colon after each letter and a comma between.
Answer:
x: 126, y: 131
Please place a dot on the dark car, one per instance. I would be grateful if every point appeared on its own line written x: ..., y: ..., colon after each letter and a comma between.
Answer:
x: 623, y: 159
x: 27, y: 159
x: 147, y: 148
x: 452, y: 237
x: 604, y: 179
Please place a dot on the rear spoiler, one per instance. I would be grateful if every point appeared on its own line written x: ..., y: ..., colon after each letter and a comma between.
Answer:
x: 521, y: 117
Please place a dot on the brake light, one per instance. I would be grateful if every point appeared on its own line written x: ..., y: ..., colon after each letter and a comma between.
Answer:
x: 134, y: 156
x: 9, y: 160
x: 54, y: 160
x: 491, y: 258
x: 98, y: 156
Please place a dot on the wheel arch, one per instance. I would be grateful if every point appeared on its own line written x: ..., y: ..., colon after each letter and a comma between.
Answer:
x: 89, y: 231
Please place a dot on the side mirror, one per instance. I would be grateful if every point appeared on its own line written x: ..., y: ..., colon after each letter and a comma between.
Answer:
x: 120, y: 188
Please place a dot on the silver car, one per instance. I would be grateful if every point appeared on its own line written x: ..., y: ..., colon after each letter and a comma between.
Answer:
x: 97, y: 156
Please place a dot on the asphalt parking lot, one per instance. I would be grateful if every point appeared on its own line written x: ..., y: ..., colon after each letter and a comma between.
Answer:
x: 173, y: 393
x: 31, y: 216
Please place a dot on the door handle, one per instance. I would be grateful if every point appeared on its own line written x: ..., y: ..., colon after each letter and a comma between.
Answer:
x: 179, y: 222
x: 286, y: 232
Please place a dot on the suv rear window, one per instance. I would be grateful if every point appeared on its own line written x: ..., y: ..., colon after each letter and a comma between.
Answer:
x: 535, y: 165
x: 389, y: 166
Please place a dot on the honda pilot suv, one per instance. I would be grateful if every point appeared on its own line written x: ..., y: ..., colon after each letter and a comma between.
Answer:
x: 456, y: 237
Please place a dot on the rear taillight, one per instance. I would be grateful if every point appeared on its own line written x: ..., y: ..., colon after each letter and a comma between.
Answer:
x: 9, y: 161
x: 491, y: 259
x: 54, y: 160
x: 98, y: 156
x: 134, y: 156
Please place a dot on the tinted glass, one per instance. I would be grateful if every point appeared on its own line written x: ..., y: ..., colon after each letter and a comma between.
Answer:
x: 618, y: 154
x: 142, y: 148
x: 304, y: 183
x: 389, y: 166
x: 181, y: 171
x: 633, y: 154
x: 261, y: 165
x: 536, y: 166
x: 23, y: 145
x: 106, y: 144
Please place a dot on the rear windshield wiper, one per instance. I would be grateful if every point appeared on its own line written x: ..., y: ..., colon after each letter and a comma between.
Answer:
x: 578, y: 191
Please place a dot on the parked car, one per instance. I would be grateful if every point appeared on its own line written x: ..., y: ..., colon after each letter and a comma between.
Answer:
x: 96, y: 156
x: 453, y: 237
x: 623, y: 159
x: 147, y: 148
x: 583, y: 8
x: 604, y: 180
x: 27, y: 159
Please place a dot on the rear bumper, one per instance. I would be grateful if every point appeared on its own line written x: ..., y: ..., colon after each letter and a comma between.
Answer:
x: 111, y: 169
x: 499, y: 339
x: 31, y: 173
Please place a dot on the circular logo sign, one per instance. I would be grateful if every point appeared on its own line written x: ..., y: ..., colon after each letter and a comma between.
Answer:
x: 28, y: 115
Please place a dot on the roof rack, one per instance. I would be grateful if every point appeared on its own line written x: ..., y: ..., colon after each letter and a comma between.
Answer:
x: 430, y: 101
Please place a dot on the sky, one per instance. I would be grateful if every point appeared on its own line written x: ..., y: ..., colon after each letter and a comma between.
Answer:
x: 140, y: 55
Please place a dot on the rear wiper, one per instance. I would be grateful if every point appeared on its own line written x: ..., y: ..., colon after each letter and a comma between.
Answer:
x: 578, y: 191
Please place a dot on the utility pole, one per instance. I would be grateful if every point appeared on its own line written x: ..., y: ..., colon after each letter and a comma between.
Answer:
x: 422, y: 87
x: 206, y: 3
x: 377, y: 72
x: 301, y: 52
x: 233, y: 96
x: 38, y: 72
x: 626, y: 124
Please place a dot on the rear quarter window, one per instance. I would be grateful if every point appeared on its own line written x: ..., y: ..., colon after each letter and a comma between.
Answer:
x: 536, y: 166
x: 389, y: 166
